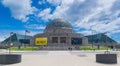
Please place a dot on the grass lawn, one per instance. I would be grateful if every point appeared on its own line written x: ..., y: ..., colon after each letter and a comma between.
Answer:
x: 94, y: 48
x: 28, y: 48
x: 24, y: 48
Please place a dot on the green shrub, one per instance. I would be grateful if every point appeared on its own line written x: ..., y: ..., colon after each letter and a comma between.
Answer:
x: 24, y: 48
x: 85, y: 47
x: 94, y: 48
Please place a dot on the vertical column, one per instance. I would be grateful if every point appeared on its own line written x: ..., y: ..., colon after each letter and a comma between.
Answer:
x: 84, y: 41
x: 58, y: 44
x: 69, y: 41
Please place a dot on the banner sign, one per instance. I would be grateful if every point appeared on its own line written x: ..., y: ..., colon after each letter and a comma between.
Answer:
x: 41, y: 41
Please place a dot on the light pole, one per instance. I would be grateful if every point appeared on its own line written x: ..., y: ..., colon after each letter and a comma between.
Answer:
x: 101, y: 39
x: 105, y: 33
x: 106, y: 41
x: 92, y: 32
x: 92, y: 35
x: 11, y: 33
x: 25, y: 39
x: 10, y: 58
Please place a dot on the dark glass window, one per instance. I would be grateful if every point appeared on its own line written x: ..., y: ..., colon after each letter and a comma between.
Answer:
x: 62, y: 39
x: 54, y: 39
x: 76, y: 41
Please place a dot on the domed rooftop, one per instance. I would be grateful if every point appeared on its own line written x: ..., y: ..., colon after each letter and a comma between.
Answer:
x: 59, y: 23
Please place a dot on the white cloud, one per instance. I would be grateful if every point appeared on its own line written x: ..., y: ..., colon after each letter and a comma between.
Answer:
x: 99, y: 15
x: 87, y: 32
x: 35, y: 26
x: 32, y: 33
x: 115, y: 31
x: 45, y: 14
x: 55, y: 2
x: 2, y: 37
x: 110, y: 27
x: 6, y: 33
x: 20, y: 9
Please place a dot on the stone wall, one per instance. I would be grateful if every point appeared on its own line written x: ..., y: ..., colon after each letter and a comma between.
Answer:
x: 67, y: 35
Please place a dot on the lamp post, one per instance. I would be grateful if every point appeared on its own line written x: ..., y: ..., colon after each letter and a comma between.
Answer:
x: 11, y: 33
x: 106, y: 41
x: 10, y: 58
x: 92, y: 35
x: 92, y: 31
x: 105, y: 33
x: 25, y: 39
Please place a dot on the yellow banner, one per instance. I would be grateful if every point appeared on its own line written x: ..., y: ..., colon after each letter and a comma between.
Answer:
x: 41, y: 41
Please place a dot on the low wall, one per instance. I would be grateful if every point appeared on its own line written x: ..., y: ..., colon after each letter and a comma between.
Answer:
x: 10, y: 58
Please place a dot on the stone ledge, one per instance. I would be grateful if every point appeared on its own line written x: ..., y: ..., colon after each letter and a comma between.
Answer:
x: 10, y: 58
x: 106, y: 58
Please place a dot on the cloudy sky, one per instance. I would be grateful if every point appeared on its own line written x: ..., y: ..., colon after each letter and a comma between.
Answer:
x: 84, y: 15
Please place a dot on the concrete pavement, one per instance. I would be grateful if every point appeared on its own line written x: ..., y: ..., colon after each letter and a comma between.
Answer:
x: 60, y: 58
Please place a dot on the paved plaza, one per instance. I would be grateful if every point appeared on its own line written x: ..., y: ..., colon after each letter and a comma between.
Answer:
x: 60, y: 58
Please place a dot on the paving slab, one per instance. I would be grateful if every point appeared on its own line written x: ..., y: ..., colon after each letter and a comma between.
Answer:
x: 60, y: 58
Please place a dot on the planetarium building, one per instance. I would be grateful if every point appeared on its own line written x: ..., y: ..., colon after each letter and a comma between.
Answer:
x: 59, y: 34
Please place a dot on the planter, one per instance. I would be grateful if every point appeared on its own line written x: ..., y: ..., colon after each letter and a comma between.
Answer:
x: 10, y: 58
x: 106, y: 58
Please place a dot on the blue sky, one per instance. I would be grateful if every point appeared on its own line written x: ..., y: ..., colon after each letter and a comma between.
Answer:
x: 98, y: 15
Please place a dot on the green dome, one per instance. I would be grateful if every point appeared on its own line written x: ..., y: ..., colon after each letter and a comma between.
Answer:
x: 59, y: 23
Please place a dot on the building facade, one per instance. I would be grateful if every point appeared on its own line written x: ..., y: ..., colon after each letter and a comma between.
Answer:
x: 16, y: 39
x: 60, y: 35
x: 101, y: 39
